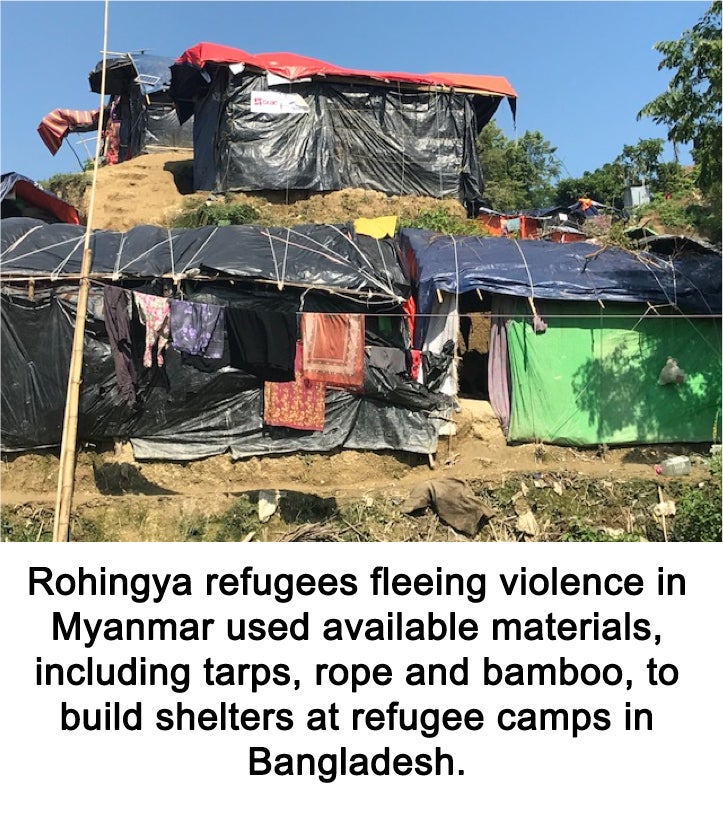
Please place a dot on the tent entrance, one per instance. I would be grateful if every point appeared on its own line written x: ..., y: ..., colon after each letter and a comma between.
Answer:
x: 473, y: 345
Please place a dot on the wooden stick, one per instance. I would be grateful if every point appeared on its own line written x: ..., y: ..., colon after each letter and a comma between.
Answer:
x: 662, y: 514
x: 66, y: 471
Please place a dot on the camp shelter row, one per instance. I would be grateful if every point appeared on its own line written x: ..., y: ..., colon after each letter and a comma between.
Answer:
x: 286, y: 122
x: 578, y: 337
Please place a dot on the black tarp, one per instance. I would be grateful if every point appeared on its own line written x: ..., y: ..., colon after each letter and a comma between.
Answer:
x: 147, y: 114
x: 322, y: 255
x: 387, y: 138
x: 182, y: 412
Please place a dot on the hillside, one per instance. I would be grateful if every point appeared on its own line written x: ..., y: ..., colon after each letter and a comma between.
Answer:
x: 153, y: 188
x: 570, y: 493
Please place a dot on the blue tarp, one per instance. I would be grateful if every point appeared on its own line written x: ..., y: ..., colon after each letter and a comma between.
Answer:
x: 570, y: 272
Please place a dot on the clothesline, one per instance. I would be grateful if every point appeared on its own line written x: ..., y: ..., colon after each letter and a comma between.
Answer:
x: 506, y: 316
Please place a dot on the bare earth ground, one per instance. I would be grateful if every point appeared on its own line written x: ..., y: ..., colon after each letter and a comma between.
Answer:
x: 119, y: 499
x: 131, y: 501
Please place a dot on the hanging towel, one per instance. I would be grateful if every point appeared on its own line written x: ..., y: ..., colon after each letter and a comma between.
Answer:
x: 262, y: 342
x: 333, y: 349
x: 118, y: 327
x: 154, y: 312
x: 197, y: 328
x: 298, y: 404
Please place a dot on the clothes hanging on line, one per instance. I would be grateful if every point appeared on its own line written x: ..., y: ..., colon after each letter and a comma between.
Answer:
x: 262, y: 342
x: 197, y: 328
x: 154, y: 311
x: 118, y: 327
x: 333, y: 349
x: 298, y: 404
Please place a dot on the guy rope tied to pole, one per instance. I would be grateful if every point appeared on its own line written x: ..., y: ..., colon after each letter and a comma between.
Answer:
x: 66, y: 471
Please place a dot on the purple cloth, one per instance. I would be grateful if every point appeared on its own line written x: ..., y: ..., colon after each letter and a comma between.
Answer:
x: 118, y: 327
x: 498, y: 369
x: 197, y: 328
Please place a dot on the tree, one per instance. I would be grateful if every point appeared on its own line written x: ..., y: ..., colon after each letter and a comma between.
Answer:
x: 691, y: 106
x: 518, y: 173
x: 605, y: 185
x: 642, y: 161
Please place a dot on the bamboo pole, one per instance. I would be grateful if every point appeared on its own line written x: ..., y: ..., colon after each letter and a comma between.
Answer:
x: 66, y: 470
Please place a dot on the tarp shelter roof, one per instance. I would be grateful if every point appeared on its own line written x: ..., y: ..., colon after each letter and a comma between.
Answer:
x: 151, y: 72
x: 314, y: 255
x: 33, y: 194
x: 571, y: 272
x: 297, y: 67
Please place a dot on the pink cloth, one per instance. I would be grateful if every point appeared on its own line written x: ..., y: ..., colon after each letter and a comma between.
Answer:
x: 155, y: 314
x: 333, y: 349
x: 299, y: 404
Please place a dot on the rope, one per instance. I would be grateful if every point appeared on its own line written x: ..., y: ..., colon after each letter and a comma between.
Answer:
x: 55, y: 274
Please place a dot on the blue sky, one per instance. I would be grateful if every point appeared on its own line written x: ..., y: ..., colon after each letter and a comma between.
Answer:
x: 582, y: 70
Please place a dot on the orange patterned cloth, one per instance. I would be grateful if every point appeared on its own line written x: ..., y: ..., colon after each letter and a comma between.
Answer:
x: 298, y: 404
x: 333, y: 348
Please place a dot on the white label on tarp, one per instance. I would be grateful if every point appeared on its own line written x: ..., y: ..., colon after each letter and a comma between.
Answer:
x: 278, y: 103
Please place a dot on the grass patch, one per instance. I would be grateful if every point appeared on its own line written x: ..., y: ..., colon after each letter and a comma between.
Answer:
x: 218, y: 213
x: 441, y: 219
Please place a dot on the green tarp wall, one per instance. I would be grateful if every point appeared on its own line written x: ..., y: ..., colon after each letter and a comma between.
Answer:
x: 592, y: 377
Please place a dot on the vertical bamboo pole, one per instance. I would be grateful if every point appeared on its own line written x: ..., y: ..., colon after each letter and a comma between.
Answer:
x: 66, y: 471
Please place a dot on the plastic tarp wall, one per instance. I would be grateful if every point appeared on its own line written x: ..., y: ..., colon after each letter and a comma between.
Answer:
x: 186, y: 413
x: 322, y: 136
x: 592, y: 377
x: 148, y: 116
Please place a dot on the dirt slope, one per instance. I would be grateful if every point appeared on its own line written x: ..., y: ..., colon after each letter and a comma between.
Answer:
x: 119, y: 499
x: 151, y: 188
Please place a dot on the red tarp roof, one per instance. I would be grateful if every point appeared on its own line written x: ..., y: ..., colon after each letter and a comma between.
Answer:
x: 296, y: 67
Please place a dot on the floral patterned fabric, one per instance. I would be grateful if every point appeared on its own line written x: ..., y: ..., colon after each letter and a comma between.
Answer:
x: 298, y: 404
x: 154, y: 311
x: 197, y: 328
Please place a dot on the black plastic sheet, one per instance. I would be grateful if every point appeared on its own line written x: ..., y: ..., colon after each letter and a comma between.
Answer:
x: 344, y: 136
x: 182, y: 413
x: 323, y: 255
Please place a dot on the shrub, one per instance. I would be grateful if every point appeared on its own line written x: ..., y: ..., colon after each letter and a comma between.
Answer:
x: 698, y: 514
x: 440, y: 219
x: 216, y: 214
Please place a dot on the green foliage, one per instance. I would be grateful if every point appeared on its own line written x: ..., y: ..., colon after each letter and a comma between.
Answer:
x: 238, y: 521
x: 691, y: 105
x: 70, y: 187
x: 216, y: 214
x: 18, y: 524
x: 65, y: 180
x: 518, y: 174
x: 640, y: 163
x: 605, y: 185
x: 440, y: 219
x: 578, y: 531
x: 698, y: 514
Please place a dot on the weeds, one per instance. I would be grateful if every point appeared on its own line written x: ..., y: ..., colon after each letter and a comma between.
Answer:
x: 441, y: 219
x: 216, y: 214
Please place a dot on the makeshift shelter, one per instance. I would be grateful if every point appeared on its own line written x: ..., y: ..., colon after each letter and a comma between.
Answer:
x: 285, y: 122
x: 22, y: 197
x: 144, y: 382
x: 579, y: 335
x: 139, y: 118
